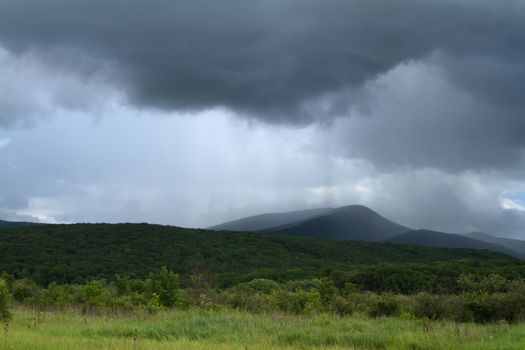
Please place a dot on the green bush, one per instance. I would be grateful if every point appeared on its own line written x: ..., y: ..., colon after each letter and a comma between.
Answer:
x: 440, y: 306
x: 349, y: 288
x: 24, y: 290
x: 299, y: 302
x: 487, y: 307
x: 253, y: 302
x: 153, y: 305
x: 258, y: 285
x: 327, y: 291
x: 483, y: 306
x: 342, y: 306
x: 94, y: 295
x: 165, y: 284
x: 58, y: 296
x: 493, y: 283
x: 309, y: 284
x: 5, y: 314
x: 383, y: 305
x: 125, y: 285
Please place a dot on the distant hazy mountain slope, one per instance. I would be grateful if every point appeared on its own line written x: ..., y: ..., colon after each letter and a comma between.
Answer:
x: 267, y: 221
x: 353, y: 222
x: 513, y: 244
x: 448, y: 240
x: 6, y: 224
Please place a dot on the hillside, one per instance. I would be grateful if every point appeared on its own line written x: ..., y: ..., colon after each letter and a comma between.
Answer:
x: 353, y: 222
x: 7, y: 224
x: 515, y: 245
x: 447, y: 240
x: 267, y: 221
x: 74, y: 253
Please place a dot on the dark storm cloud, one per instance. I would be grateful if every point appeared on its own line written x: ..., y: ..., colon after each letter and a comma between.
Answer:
x: 278, y: 60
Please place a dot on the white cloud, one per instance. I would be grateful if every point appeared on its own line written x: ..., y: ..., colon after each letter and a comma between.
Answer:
x: 510, y: 204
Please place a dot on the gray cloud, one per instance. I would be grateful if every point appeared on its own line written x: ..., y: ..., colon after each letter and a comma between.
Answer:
x: 415, y: 108
x: 279, y: 61
x: 420, y: 119
x: 458, y: 203
x: 203, y: 170
x: 31, y: 90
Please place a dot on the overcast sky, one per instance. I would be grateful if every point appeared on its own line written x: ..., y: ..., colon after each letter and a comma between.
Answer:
x: 191, y: 113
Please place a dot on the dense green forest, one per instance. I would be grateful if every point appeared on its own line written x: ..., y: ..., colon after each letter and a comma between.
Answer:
x: 81, y: 252
x: 126, y: 267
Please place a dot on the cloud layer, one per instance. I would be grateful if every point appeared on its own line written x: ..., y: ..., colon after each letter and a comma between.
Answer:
x: 195, y: 112
x: 290, y: 61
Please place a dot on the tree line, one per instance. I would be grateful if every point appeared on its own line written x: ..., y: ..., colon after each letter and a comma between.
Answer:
x: 477, y: 299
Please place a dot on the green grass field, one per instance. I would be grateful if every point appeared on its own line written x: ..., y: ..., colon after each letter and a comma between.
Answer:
x: 198, y: 329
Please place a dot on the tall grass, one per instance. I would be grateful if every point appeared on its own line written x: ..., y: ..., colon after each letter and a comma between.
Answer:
x: 226, y: 329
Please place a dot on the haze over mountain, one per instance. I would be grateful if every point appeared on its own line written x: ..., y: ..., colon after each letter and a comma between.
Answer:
x: 357, y: 222
x: 353, y: 222
x: 266, y: 221
x: 512, y: 244
x: 6, y: 224
x: 448, y: 240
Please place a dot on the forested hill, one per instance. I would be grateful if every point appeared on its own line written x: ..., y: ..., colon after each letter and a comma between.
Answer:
x: 10, y: 224
x: 75, y: 253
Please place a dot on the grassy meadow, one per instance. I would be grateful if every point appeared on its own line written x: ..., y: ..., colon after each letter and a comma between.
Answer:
x: 228, y: 329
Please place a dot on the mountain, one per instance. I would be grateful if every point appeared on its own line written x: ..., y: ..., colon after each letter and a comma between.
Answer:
x: 267, y: 221
x: 359, y: 223
x: 7, y: 224
x: 447, y: 240
x: 352, y: 222
x: 512, y: 244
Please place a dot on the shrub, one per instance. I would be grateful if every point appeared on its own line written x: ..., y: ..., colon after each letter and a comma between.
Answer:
x: 342, y: 306
x: 24, y: 290
x: 327, y: 291
x: 249, y: 301
x: 493, y: 283
x: 440, y: 306
x: 201, y: 292
x: 349, y: 288
x: 165, y: 284
x: 58, y: 296
x: 467, y: 283
x: 5, y: 314
x: 483, y: 307
x: 92, y: 295
x: 258, y: 285
x: 310, y: 284
x: 383, y: 305
x: 153, y: 305
x: 299, y: 302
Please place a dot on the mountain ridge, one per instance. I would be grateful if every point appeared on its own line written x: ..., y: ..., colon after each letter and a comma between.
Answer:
x: 265, y: 221
x: 10, y: 224
x: 358, y: 222
x: 438, y: 239
x: 351, y: 222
